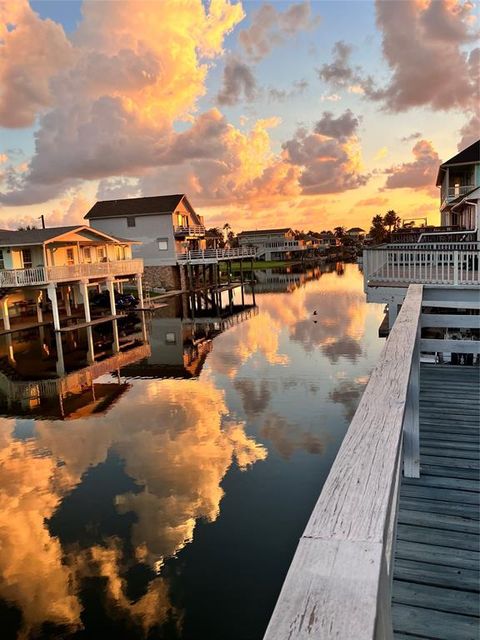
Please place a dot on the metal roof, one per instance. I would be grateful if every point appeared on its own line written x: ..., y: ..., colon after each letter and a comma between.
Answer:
x: 136, y: 206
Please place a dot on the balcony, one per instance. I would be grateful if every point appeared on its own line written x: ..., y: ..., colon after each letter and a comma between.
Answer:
x: 212, y: 256
x: 451, y: 193
x: 194, y: 231
x: 426, y: 263
x: 44, y: 275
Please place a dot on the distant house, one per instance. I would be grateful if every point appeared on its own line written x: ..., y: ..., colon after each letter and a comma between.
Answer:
x: 357, y: 233
x: 272, y: 244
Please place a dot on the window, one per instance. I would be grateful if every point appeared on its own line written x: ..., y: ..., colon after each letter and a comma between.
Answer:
x: 2, y: 261
x: 87, y: 255
x: 120, y: 252
x: 170, y: 338
x: 101, y: 257
x: 162, y: 244
x: 70, y: 256
x: 27, y: 258
x: 131, y: 222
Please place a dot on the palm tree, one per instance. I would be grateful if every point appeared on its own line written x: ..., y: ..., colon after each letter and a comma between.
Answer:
x: 377, y: 230
x: 339, y: 232
x: 391, y: 220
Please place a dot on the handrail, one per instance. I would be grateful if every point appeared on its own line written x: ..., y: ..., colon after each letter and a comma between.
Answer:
x: 194, y: 229
x: 339, y: 583
x: 43, y: 275
x: 216, y: 254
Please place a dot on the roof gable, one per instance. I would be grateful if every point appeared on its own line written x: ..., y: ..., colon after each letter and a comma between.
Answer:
x: 470, y: 154
x: 137, y: 206
x: 52, y: 234
x: 265, y: 232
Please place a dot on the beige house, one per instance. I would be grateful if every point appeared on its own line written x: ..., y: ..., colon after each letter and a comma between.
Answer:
x: 54, y: 268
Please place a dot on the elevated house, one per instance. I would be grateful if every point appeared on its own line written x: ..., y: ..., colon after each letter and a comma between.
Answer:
x: 444, y: 255
x: 51, y: 271
x: 272, y: 244
x: 169, y: 231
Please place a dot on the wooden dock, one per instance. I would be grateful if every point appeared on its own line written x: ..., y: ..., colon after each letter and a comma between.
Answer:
x: 436, y: 571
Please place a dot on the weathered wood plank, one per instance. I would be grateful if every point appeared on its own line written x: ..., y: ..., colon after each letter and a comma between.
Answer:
x: 325, y: 577
x: 438, y: 451
x: 438, y: 521
x: 437, y: 598
x: 459, y: 463
x: 453, y: 321
x: 440, y: 537
x: 438, y: 624
x: 436, y: 554
x: 414, y: 571
x: 450, y: 472
x: 440, y: 506
x: 446, y: 495
x: 445, y: 483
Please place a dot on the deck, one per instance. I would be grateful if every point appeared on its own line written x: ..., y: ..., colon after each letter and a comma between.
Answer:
x: 436, y: 571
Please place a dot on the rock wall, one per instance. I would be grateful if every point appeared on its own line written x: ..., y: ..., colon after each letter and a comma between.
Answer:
x: 162, y: 277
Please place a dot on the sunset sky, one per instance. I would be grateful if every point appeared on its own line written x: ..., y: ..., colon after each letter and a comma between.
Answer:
x: 308, y: 114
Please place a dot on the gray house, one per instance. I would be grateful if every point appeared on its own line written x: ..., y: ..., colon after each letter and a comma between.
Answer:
x: 165, y: 226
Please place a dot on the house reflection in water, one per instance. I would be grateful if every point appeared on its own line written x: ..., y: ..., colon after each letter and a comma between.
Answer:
x: 180, y: 341
x: 287, y: 279
x: 52, y: 375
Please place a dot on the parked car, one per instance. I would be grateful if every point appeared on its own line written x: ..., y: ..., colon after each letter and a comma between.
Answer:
x: 122, y: 300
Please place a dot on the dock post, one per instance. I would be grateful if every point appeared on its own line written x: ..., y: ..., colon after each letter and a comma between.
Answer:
x: 91, y: 348
x: 242, y: 288
x: 113, y: 311
x: 66, y: 297
x: 39, y: 307
x: 60, y: 361
x: 5, y: 316
x: 138, y: 279
x: 52, y: 295
x: 83, y: 286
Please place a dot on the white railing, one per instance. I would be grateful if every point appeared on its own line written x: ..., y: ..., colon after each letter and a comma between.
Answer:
x: 214, y: 255
x: 193, y: 230
x: 43, y: 275
x: 339, y: 583
x: 94, y: 269
x: 446, y: 263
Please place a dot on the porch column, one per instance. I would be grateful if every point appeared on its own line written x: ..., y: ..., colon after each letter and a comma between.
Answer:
x: 75, y: 296
x: 52, y: 295
x: 113, y: 309
x: 11, y: 353
x: 5, y: 316
x: 138, y: 279
x: 83, y: 286
x: 39, y: 307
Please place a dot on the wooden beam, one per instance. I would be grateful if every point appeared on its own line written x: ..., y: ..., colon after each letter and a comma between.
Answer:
x: 460, y: 321
x: 450, y: 346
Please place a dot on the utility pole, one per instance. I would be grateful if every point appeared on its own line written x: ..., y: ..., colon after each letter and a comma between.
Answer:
x: 42, y: 218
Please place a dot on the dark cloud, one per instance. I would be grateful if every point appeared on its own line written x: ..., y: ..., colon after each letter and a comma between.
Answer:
x: 280, y: 95
x: 326, y: 160
x: 411, y: 137
x: 420, y: 173
x: 287, y: 437
x: 339, y: 72
x: 254, y: 400
x: 341, y: 128
x: 270, y: 27
x: 348, y: 393
x: 238, y: 83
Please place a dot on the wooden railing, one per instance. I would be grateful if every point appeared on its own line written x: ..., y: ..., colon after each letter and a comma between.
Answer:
x: 192, y: 230
x: 213, y: 255
x: 429, y: 263
x: 43, y: 275
x: 339, y: 583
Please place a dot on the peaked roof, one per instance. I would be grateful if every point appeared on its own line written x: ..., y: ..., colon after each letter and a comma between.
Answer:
x: 264, y: 231
x: 470, y: 154
x: 356, y: 229
x: 136, y: 206
x: 10, y: 238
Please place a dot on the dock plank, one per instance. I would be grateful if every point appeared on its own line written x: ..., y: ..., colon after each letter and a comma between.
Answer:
x: 437, y: 560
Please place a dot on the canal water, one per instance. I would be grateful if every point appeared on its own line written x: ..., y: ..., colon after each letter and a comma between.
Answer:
x: 171, y: 507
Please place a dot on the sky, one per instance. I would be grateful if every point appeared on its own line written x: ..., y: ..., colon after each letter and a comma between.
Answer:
x: 266, y: 114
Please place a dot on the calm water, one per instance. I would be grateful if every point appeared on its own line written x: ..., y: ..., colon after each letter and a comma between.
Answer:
x: 173, y: 511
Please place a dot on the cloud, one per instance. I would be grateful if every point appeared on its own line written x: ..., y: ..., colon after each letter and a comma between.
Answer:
x: 376, y: 201
x: 338, y: 73
x: 270, y: 27
x: 119, y: 96
x: 328, y: 156
x: 419, y: 174
x: 411, y: 137
x: 280, y: 95
x: 381, y: 153
x: 238, y: 82
x: 32, y: 51
x: 426, y: 55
